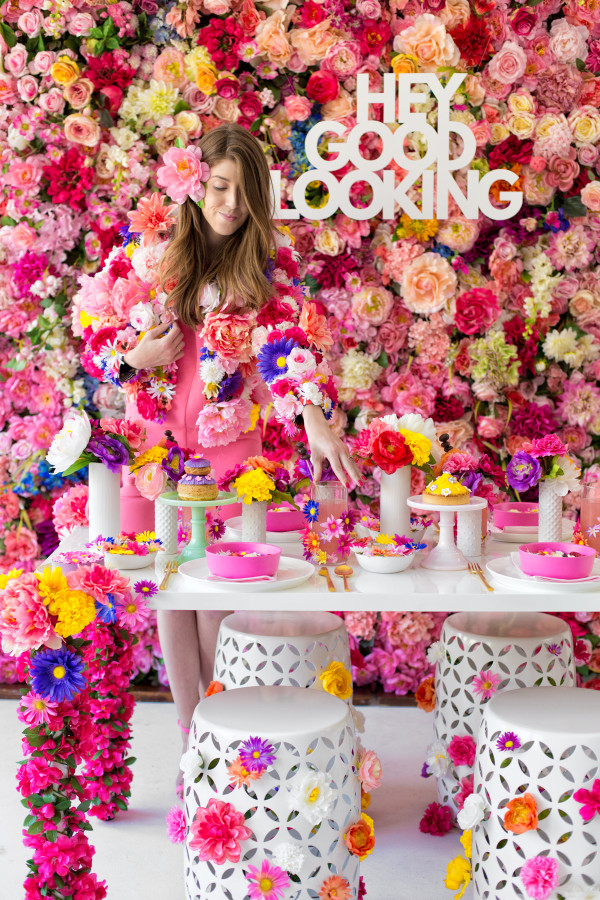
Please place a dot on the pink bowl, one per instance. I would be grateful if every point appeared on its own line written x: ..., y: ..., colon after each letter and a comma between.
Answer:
x: 579, y: 566
x: 242, y: 566
x: 287, y: 519
x: 510, y: 515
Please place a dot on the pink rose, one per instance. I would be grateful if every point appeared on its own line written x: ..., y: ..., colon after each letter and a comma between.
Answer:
x: 16, y: 60
x: 221, y: 423
x: 508, y: 65
x: 488, y: 427
x: 476, y: 310
x: 590, y: 196
x: 344, y: 58
x: 82, y: 129
x: 79, y: 93
x: 461, y: 750
x: 524, y: 21
x: 80, y: 24
x: 322, y: 86
x: 229, y: 335
x: 52, y: 102
x: 428, y: 283
x: 42, y: 62
x: 373, y: 305
x: 27, y: 87
x: 297, y: 108
x: 151, y: 480
x: 368, y: 9
x: 217, y: 7
x: 369, y: 771
x: 561, y: 172
x: 31, y: 22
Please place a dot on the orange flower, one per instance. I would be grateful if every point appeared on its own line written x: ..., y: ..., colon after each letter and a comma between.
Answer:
x: 335, y: 888
x: 521, y: 814
x: 360, y: 837
x: 152, y: 218
x: 239, y: 776
x: 425, y: 695
x: 261, y: 462
x: 315, y: 326
x: 215, y: 687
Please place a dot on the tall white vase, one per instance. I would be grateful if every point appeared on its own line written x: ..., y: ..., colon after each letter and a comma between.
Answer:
x: 254, y: 521
x: 394, y: 513
x: 104, y: 507
x: 550, y: 512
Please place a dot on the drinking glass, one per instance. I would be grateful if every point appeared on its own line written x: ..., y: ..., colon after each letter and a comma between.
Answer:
x: 332, y: 497
x: 590, y: 514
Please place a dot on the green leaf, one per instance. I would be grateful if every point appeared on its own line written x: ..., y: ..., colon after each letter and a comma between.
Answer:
x: 180, y: 106
x: 8, y: 34
x: 255, y: 126
x: 51, y: 835
x: 573, y: 207
x: 121, y: 803
x: 36, y: 828
x: 7, y: 220
x: 382, y: 360
x: 107, y: 780
x: 580, y: 65
x: 16, y: 365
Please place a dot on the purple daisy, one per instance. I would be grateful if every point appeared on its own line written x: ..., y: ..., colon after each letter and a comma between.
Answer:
x: 256, y: 754
x: 146, y: 587
x: 508, y: 741
x: 554, y: 649
x: 216, y: 529
x: 349, y: 518
x: 272, y: 358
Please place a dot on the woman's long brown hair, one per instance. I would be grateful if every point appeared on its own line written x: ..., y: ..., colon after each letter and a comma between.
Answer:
x: 239, y: 263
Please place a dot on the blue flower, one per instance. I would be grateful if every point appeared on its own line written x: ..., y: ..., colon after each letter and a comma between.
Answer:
x: 230, y: 387
x: 310, y: 511
x: 206, y: 354
x: 272, y: 358
x: 106, y: 610
x: 56, y: 674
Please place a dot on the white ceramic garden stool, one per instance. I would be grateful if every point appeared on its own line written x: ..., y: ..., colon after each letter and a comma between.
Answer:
x: 294, y: 815
x: 279, y: 648
x: 555, y: 753
x: 516, y: 650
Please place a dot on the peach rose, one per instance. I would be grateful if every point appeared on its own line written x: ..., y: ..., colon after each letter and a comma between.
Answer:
x: 78, y: 93
x: 474, y: 90
x: 151, y: 481
x: 369, y: 771
x: 328, y: 241
x: 313, y: 44
x: 229, y: 335
x: 217, y: 7
x: 428, y: 40
x: 360, y: 837
x: 373, y: 305
x: 343, y: 105
x: 428, y: 284
x: 585, y: 124
x: 272, y: 39
x: 458, y: 233
x: 455, y: 13
x: 425, y: 694
x: 22, y: 236
x: 82, y: 129
x: 261, y: 462
x: 508, y: 65
x: 169, y: 67
x: 590, y: 196
x: 297, y: 108
x: 227, y: 110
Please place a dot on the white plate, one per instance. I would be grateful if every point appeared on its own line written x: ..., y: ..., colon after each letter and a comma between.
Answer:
x: 273, y: 537
x: 291, y: 573
x: 528, y: 537
x: 505, y: 574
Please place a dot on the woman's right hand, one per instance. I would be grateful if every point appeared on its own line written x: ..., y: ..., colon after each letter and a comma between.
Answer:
x: 156, y: 348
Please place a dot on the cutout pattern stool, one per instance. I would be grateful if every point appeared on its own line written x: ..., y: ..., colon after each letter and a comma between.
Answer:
x: 555, y: 754
x: 485, y: 653
x: 294, y: 815
x: 279, y: 648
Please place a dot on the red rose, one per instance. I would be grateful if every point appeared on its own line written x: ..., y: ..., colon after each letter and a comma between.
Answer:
x: 322, y: 86
x: 227, y: 87
x: 476, y: 310
x: 390, y: 452
x: 461, y: 750
x: 250, y: 105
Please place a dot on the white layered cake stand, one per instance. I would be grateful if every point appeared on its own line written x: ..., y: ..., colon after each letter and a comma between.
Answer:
x: 446, y: 556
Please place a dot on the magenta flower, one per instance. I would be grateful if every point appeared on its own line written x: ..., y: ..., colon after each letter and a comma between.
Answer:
x: 267, y: 883
x: 461, y: 750
x: 437, y: 820
x: 486, y: 684
x: 508, y: 741
x: 217, y: 830
x: 332, y: 528
x: 176, y: 825
x: 36, y: 709
x: 540, y: 876
x: 590, y: 801
x: 256, y: 755
x: 554, y: 649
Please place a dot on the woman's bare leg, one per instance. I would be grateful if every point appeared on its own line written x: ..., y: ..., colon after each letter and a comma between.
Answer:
x: 208, y: 621
x: 181, y: 652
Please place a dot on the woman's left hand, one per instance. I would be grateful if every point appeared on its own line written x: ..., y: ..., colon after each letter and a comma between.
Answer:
x: 324, y: 444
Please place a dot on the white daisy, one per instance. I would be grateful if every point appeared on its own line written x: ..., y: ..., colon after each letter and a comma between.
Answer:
x: 313, y: 797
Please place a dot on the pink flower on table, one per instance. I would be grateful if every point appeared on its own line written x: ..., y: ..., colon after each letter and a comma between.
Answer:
x: 369, y: 771
x: 133, y: 430
x: 540, y: 876
x: 485, y: 684
x: 217, y: 831
x: 99, y: 582
x: 267, y: 883
x: 461, y: 750
x: 590, y: 801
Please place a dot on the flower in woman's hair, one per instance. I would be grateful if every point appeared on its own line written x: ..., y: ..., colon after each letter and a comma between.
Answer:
x: 176, y: 827
x: 257, y: 754
x: 521, y: 814
x: 217, y: 831
x: 509, y: 741
x: 183, y: 174
x: 310, y: 511
x: 335, y: 888
x: 539, y: 876
x: 436, y: 820
x: 56, y: 674
x: 267, y: 883
x: 272, y: 359
x: 485, y: 684
x: 152, y: 218
x: 37, y: 710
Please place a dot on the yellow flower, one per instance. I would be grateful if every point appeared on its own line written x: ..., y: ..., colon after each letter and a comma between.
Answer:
x: 337, y: 680
x: 458, y: 875
x: 403, y: 63
x: 422, y: 229
x: 321, y: 557
x: 74, y: 609
x: 5, y: 577
x: 205, y: 77
x: 65, y: 71
x: 466, y: 840
x: 255, y: 413
x: 419, y: 445
x: 145, y: 536
x: 365, y: 800
x: 52, y: 583
x: 384, y: 539
x: 254, y: 485
x: 152, y: 455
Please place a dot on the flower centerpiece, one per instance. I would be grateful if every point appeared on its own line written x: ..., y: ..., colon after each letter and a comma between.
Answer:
x: 159, y: 468
x: 257, y: 481
x: 387, y: 553
x: 544, y: 463
x: 395, y: 444
x: 128, y: 550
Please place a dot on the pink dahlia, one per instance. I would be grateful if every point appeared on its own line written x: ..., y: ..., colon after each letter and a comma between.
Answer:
x: 183, y: 174
x: 217, y: 830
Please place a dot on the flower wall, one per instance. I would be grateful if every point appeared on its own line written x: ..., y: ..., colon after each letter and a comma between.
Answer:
x: 492, y: 328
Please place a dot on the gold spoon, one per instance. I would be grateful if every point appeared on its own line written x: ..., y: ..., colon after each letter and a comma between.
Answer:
x: 325, y: 572
x: 344, y: 572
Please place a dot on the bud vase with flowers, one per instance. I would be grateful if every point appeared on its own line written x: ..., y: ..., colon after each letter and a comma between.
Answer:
x: 395, y: 444
x: 258, y: 481
x: 544, y: 463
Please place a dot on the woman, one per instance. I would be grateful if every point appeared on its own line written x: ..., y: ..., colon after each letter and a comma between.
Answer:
x: 233, y: 287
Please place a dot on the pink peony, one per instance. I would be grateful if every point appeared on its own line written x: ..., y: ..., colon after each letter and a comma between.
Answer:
x: 133, y: 430
x: 220, y: 424
x: 229, y: 335
x: 183, y: 174
x: 217, y: 830
x: 550, y: 445
x: 461, y: 750
x: 539, y: 876
x: 99, y: 582
x: 369, y: 771
x: 24, y: 621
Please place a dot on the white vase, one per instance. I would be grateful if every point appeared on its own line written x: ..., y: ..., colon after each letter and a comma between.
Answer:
x: 104, y: 506
x: 550, y: 512
x: 254, y: 521
x: 394, y: 513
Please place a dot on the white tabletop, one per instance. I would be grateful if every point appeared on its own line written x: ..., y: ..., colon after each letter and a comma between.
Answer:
x: 416, y: 589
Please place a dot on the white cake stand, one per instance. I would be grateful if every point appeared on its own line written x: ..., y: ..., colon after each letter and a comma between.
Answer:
x: 446, y: 555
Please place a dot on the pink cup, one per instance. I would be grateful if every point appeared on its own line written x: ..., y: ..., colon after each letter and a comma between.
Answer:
x: 579, y: 566
x: 242, y: 566
x: 286, y: 519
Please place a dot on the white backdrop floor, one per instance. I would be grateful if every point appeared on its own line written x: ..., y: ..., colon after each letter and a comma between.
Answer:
x: 135, y: 857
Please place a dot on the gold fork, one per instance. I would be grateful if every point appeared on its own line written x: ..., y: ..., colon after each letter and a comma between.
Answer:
x: 475, y: 569
x: 170, y: 569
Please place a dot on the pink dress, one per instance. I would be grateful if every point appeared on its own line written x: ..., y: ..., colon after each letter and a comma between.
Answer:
x: 137, y: 513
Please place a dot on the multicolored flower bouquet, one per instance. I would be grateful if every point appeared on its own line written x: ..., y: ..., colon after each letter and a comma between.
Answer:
x: 160, y: 466
x: 129, y: 544
x: 391, y: 442
x: 543, y: 459
x: 331, y: 538
x: 82, y: 441
x: 257, y: 479
x: 481, y: 476
x: 387, y: 545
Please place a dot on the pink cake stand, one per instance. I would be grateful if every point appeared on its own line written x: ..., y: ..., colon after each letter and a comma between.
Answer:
x: 446, y: 555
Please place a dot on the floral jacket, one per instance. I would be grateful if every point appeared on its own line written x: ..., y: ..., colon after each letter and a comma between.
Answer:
x: 283, y: 343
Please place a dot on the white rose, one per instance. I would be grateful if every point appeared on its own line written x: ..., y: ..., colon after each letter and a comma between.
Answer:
x: 70, y: 442
x: 141, y: 316
x: 472, y: 813
x: 191, y: 764
x: 301, y: 362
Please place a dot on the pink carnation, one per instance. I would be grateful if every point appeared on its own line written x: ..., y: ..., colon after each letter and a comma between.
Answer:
x: 24, y: 621
x: 217, y: 830
x: 220, y: 424
x: 99, y: 582
x: 550, y: 445
x: 461, y: 750
x: 71, y: 509
x: 176, y: 827
x: 437, y: 820
x: 540, y: 876
x: 183, y: 174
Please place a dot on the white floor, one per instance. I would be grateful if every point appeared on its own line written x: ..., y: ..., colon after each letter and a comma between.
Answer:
x: 135, y: 857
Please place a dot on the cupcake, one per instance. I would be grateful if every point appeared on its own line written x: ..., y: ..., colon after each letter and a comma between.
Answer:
x: 196, y: 483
